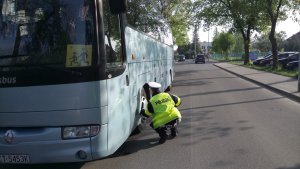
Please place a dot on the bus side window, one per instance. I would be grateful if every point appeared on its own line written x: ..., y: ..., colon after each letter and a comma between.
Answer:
x: 113, y: 47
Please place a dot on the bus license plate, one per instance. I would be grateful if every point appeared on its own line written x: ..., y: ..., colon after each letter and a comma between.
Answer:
x: 14, y: 159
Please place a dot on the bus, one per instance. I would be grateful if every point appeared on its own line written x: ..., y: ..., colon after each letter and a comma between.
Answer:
x: 73, y: 75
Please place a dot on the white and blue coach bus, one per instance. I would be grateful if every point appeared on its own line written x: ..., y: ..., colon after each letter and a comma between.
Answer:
x: 72, y: 74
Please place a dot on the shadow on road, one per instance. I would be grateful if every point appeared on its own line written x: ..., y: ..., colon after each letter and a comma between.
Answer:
x: 205, y: 78
x: 191, y: 83
x: 236, y: 103
x: 207, y: 128
x: 129, y: 147
x: 221, y: 91
x: 185, y: 73
x: 297, y: 166
x: 133, y: 146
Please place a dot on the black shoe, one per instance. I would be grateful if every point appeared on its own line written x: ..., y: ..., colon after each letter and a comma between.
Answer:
x: 163, y: 137
x: 162, y: 134
x: 162, y: 140
x: 174, y: 132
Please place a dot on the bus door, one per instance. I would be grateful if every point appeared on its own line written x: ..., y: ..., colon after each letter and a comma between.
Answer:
x: 119, y: 124
x: 138, y: 60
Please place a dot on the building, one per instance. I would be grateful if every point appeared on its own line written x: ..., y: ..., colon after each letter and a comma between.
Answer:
x: 206, y: 46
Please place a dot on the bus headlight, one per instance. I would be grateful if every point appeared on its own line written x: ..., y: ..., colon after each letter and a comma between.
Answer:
x: 73, y: 132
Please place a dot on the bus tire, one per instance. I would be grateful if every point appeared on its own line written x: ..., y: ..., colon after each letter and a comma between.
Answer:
x: 143, y: 94
x: 138, y: 129
x: 170, y: 86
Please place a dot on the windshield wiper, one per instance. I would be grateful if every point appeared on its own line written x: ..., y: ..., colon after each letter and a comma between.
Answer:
x: 43, y: 66
x: 62, y: 70
x: 11, y: 56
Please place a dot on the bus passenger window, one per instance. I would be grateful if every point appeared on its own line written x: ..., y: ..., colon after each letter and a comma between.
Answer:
x: 113, y: 48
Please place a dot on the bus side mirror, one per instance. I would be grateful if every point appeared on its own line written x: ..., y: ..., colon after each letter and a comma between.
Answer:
x: 118, y: 6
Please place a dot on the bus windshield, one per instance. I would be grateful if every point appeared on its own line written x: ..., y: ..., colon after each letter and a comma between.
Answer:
x: 38, y: 32
x: 38, y: 36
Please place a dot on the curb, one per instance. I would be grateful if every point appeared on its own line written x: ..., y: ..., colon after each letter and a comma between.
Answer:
x: 273, y: 89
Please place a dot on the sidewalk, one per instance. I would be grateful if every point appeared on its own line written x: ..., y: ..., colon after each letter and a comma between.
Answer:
x: 283, y: 85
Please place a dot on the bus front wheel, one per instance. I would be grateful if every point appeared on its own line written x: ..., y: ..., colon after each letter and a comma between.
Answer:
x: 144, y: 96
x: 170, y: 86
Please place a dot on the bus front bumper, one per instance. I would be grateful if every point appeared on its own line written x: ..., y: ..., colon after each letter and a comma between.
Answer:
x: 41, y: 150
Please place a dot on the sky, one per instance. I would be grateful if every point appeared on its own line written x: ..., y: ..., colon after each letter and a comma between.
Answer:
x: 289, y: 26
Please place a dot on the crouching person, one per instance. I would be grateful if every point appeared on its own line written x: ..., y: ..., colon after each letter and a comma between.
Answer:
x: 162, y: 109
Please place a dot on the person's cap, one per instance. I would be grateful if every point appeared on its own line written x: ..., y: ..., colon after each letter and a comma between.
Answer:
x: 154, y: 85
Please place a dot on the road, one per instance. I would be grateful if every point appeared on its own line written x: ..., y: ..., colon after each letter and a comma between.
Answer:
x: 228, y: 123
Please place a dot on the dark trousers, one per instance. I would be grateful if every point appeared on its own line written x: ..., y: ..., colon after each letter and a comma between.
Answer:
x: 162, y: 131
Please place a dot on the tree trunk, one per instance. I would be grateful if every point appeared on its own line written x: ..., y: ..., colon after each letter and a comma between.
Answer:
x: 246, y: 48
x: 246, y: 37
x: 274, y: 46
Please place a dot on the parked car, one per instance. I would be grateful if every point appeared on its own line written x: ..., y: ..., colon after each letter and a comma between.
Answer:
x: 200, y: 58
x: 269, y: 61
x: 181, y: 58
x: 258, y: 61
x: 292, y: 65
x: 290, y: 58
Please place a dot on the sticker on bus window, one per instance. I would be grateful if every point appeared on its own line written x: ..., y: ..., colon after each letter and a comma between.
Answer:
x: 79, y: 55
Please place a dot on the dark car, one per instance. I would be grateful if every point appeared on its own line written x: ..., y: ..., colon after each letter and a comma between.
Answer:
x: 269, y: 61
x: 181, y: 58
x: 290, y: 58
x: 292, y: 65
x: 258, y: 61
x: 200, y: 59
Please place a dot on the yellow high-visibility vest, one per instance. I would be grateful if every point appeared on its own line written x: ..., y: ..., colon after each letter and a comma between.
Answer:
x: 164, y: 110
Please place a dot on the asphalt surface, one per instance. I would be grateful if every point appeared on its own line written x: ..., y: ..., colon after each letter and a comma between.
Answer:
x: 228, y: 123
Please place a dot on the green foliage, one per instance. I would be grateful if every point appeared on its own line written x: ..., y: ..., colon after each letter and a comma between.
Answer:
x: 292, y: 43
x: 179, y: 28
x: 262, y: 42
x: 241, y: 16
x: 174, y: 12
x: 275, y: 10
x: 179, y: 21
x: 223, y: 43
x: 189, y: 49
x: 239, y: 46
x: 145, y: 16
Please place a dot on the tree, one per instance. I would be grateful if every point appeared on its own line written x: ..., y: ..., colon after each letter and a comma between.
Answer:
x: 238, y: 47
x: 276, y: 10
x: 215, y: 44
x: 293, y: 43
x: 223, y: 43
x: 179, y: 26
x: 216, y: 32
x: 144, y: 16
x: 176, y: 12
x: 262, y: 42
x: 242, y: 16
x: 196, y: 44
